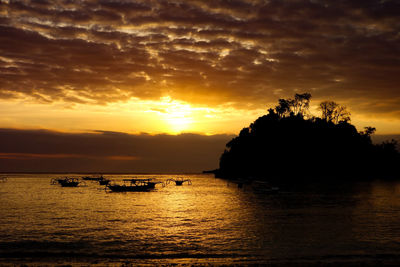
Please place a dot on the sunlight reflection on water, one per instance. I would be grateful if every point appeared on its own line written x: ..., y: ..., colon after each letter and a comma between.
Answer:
x: 206, y: 222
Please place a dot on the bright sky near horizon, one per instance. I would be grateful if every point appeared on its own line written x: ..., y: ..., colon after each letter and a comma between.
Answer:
x: 192, y: 66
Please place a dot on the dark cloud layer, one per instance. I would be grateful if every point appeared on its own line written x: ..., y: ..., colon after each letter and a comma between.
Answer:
x: 235, y: 51
x: 49, y: 151
x: 39, y: 151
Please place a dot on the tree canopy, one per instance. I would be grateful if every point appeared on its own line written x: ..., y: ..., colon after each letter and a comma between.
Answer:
x: 289, y: 144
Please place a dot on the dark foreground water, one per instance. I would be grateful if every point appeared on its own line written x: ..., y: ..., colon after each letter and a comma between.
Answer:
x: 208, y: 222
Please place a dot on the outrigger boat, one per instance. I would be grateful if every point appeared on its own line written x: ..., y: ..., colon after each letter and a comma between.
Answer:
x: 66, y: 182
x: 134, y: 185
x: 179, y: 181
x: 93, y: 178
x: 69, y: 182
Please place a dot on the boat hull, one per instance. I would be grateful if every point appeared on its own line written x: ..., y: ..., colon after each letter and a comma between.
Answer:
x: 69, y: 184
x: 134, y: 188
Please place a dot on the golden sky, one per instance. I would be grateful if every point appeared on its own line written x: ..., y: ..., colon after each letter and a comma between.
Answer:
x: 191, y: 66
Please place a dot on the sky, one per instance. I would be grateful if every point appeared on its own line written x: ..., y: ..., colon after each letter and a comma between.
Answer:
x: 186, y: 70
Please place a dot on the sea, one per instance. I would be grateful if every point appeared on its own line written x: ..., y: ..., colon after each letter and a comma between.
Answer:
x: 208, y: 222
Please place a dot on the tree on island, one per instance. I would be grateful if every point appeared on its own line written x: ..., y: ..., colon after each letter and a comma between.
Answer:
x: 333, y: 112
x: 290, y: 144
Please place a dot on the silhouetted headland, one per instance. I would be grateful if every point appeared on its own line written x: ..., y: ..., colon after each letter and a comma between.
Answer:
x: 288, y: 144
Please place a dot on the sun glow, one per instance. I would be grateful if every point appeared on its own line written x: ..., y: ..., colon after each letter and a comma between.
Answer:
x: 179, y: 116
x: 158, y: 116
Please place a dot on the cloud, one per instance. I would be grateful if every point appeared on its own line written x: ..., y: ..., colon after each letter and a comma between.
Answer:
x: 228, y: 52
x: 100, y: 151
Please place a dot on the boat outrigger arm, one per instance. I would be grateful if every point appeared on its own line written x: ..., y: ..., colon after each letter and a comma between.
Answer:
x: 179, y: 181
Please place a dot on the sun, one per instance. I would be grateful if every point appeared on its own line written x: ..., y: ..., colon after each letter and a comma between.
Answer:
x: 178, y: 122
x: 178, y: 115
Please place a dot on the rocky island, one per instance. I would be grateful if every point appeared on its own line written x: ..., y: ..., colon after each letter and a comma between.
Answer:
x: 289, y: 144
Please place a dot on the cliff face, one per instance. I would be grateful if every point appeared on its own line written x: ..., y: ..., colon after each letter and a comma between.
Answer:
x: 292, y: 148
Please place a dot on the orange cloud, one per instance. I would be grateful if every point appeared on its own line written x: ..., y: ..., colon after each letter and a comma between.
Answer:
x: 234, y: 52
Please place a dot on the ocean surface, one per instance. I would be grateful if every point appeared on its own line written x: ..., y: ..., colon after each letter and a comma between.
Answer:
x: 210, y: 221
